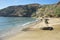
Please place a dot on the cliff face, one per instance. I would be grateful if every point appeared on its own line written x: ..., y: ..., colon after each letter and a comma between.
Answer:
x: 21, y: 10
x: 31, y: 10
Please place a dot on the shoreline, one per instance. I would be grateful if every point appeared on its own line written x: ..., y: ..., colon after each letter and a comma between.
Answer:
x: 25, y: 26
x: 32, y: 28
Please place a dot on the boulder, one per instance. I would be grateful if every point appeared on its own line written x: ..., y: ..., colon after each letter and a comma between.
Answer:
x: 47, y: 28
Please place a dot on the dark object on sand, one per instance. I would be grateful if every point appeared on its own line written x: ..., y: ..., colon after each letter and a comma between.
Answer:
x: 47, y: 28
x: 46, y: 21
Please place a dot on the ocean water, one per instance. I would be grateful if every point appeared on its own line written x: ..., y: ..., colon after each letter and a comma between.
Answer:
x: 9, y: 25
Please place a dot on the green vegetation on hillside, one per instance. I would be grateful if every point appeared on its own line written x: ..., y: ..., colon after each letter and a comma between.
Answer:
x: 32, y: 10
x: 49, y: 10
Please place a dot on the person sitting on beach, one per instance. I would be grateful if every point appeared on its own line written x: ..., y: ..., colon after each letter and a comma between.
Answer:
x: 46, y: 21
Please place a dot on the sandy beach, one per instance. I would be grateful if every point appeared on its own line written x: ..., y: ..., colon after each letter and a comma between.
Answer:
x: 35, y: 33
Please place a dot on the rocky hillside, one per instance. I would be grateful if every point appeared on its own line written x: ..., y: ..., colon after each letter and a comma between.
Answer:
x: 19, y: 11
x: 32, y: 10
x: 52, y: 10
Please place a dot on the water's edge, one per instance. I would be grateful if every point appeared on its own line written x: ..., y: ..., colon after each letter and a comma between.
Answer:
x: 19, y: 29
x: 24, y: 26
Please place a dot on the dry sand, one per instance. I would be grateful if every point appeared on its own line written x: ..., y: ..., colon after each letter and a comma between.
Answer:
x: 34, y: 32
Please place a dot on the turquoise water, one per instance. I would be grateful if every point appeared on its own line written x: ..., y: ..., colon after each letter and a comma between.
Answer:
x: 9, y: 23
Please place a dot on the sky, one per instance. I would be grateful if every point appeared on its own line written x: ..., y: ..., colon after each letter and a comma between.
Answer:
x: 6, y: 3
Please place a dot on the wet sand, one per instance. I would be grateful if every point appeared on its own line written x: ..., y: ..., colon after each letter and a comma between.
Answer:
x: 35, y: 33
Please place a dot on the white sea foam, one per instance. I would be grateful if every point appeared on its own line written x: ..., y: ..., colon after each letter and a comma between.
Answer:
x: 26, y: 23
x: 16, y: 29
